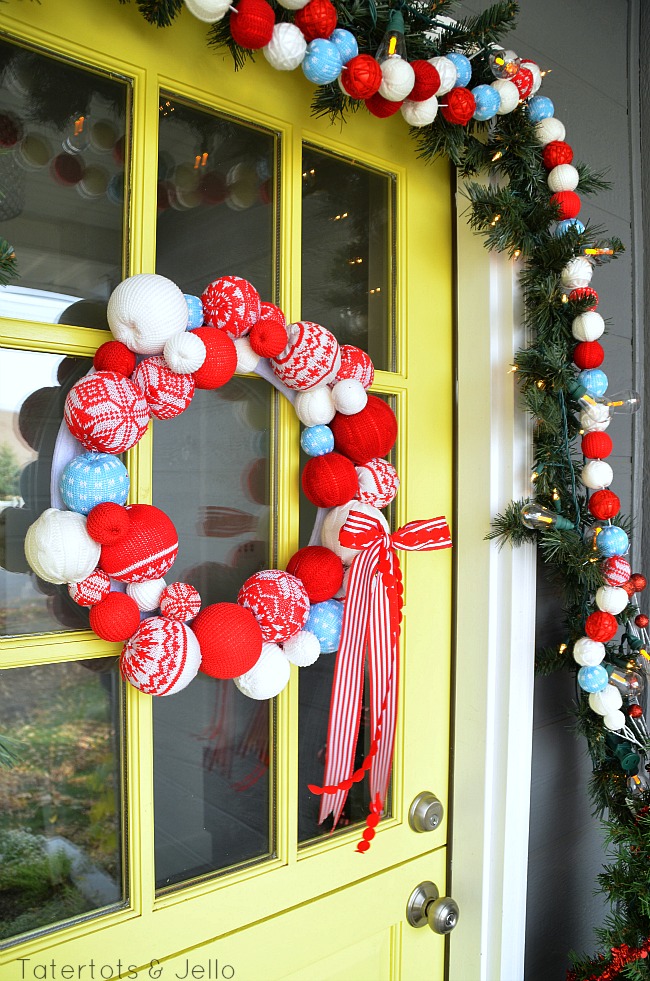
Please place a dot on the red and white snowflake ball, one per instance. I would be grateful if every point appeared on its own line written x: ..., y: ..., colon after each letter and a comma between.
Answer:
x: 312, y: 357
x: 180, y: 601
x: 356, y: 364
x: 162, y: 656
x: 378, y: 482
x: 90, y: 590
x: 232, y: 304
x: 139, y: 542
x: 167, y: 393
x: 278, y: 601
x: 106, y: 412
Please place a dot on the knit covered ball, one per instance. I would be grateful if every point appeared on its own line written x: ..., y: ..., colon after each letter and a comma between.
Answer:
x: 317, y: 440
x: 106, y: 412
x: 463, y: 67
x: 508, y: 94
x: 488, y: 102
x: 346, y: 44
x: 161, y: 658
x: 229, y: 637
x: 588, y: 354
x: 320, y: 571
x: 322, y: 62
x: 114, y: 356
x: 601, y: 626
x: 420, y: 113
x: 92, y: 478
x: 612, y: 540
x: 302, y: 650
x: 361, y: 77
x: 293, y: 4
x: 144, y: 311
x: 251, y: 24
x: 380, y: 107
x: 594, y: 380
x: 587, y: 651
x: 459, y: 106
x: 138, y: 544
x: 604, y: 504
x: 523, y: 81
x: 597, y: 446
x: 368, y: 434
x: 427, y: 81
x: 576, y: 273
x: 268, y: 337
x: 115, y: 618
x: 563, y: 227
x: 194, y: 311
x: 378, y: 482
x: 550, y: 130
x: 597, y: 474
x: 349, y: 396
x: 568, y: 203
x: 268, y: 677
x: 355, y: 363
x: 397, y: 79
x: 606, y: 702
x: 232, y: 304
x: 325, y: 621
x: 147, y: 594
x: 247, y: 359
x: 184, y: 353
x: 220, y: 359
x: 335, y: 520
x: 58, y: 547
x: 616, y: 570
x: 582, y: 293
x: 593, y: 678
x: 534, y: 69
x: 209, y: 11
x: 312, y: 356
x: 564, y: 177
x: 90, y: 590
x: 588, y: 326
x: 278, y: 601
x: 329, y: 480
x: 317, y: 19
x: 614, y: 721
x: 167, y: 393
x: 556, y: 153
x: 611, y: 599
x: 540, y: 107
x: 180, y: 601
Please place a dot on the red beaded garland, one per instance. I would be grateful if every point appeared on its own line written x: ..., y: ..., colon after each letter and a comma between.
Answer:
x: 568, y: 203
x: 361, y: 77
x: 604, y: 504
x: 115, y: 356
x: 584, y: 293
x: 555, y: 153
x: 638, y: 581
x: 320, y: 571
x: 317, y: 19
x: 252, y: 23
x: 367, y: 434
x: 524, y: 81
x: 427, y: 81
x: 459, y: 107
x: 220, y: 359
x: 382, y: 108
x: 330, y: 480
x: 597, y: 445
x: 641, y: 620
x: 588, y: 354
x: 601, y: 626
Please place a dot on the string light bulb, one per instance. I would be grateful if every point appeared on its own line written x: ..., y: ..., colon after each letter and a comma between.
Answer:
x: 625, y: 402
x: 393, y: 44
x: 538, y: 518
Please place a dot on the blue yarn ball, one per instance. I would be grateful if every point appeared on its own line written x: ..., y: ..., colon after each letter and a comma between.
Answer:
x: 463, y: 68
x: 194, y: 311
x: 487, y: 101
x: 322, y: 62
x: 564, y: 226
x: 540, y: 107
x: 593, y: 677
x: 346, y: 44
x: 317, y: 440
x: 595, y: 381
x: 612, y: 540
x: 325, y: 621
x: 93, y: 478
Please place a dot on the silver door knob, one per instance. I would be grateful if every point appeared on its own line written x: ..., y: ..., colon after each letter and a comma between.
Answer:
x: 426, y: 906
x: 426, y: 812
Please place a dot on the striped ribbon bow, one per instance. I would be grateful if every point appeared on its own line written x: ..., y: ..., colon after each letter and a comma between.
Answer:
x: 371, y: 621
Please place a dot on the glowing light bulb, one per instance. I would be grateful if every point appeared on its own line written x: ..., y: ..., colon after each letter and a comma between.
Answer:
x: 538, y: 518
x: 624, y: 402
x: 392, y: 44
x: 627, y: 682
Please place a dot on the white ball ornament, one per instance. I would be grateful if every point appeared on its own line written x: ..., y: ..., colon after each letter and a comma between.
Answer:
x: 509, y: 94
x: 184, y: 353
x: 146, y: 594
x: 595, y: 419
x: 302, y: 649
x: 597, y: 474
x: 209, y: 11
x: 315, y: 407
x: 335, y: 520
x: 398, y: 79
x: 286, y: 49
x: 611, y: 599
x: 420, y: 113
x: 614, y: 721
x: 247, y: 360
x: 268, y: 676
x: 564, y: 177
x: 588, y: 652
x: 293, y: 4
x: 576, y: 274
x: 448, y: 74
x: 59, y: 549
x: 349, y: 397
x: 534, y: 69
x: 144, y: 311
x: 548, y: 130
x: 588, y: 326
x: 607, y: 701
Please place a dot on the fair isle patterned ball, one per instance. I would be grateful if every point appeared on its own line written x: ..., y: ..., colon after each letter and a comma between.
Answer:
x: 355, y: 363
x: 106, y: 412
x: 194, y: 311
x: 616, y: 570
x: 90, y: 590
x: 325, y: 621
x: 180, y: 601
x: 278, y: 601
x: 92, y: 478
x: 162, y: 657
x: 231, y: 304
x: 167, y: 393
x: 378, y: 482
x: 312, y: 357
x: 317, y: 440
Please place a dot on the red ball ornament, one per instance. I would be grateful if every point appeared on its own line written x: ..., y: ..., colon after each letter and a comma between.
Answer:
x: 145, y: 549
x: 638, y: 581
x: 635, y: 711
x: 320, y: 571
x: 355, y: 363
x: 641, y: 620
x: 90, y: 590
x: 616, y: 570
x: 252, y: 23
x: 106, y: 412
x: 66, y: 169
x: 601, y: 626
x: 115, y: 356
x: 382, y: 108
x: 597, y: 445
x: 459, y: 107
x: 232, y: 304
x: 555, y: 153
x: 629, y: 588
x: 361, y: 77
x: 568, y: 203
x: 167, y: 393
x: 115, y: 618
x: 370, y: 433
x: 220, y: 358
x: 329, y: 480
x: 278, y: 601
x: 230, y: 640
x: 588, y: 354
x: 584, y: 293
x: 604, y: 504
x: 524, y: 81
x: 180, y: 601
x: 427, y: 81
x: 317, y: 19
x: 268, y: 337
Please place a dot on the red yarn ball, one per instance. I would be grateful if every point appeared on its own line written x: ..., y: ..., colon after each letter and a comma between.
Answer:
x: 601, y: 626
x: 147, y: 550
x: 584, y: 293
x: 382, y: 108
x: 427, y: 81
x: 361, y: 77
x: 367, y: 434
x: 555, y: 153
x: 252, y: 23
x: 597, y: 445
x: 568, y: 203
x: 317, y: 19
x: 115, y: 356
x: 641, y: 620
x: 268, y: 337
x: 604, y: 504
x: 524, y: 81
x: 108, y: 523
x: 230, y: 639
x: 616, y: 570
x: 459, y: 107
x: 115, y: 618
x: 588, y: 354
x: 320, y: 571
x: 638, y: 581
x: 329, y: 480
x: 220, y: 358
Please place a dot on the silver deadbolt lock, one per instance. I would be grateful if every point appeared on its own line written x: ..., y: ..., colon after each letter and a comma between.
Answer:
x: 425, y: 907
x: 426, y: 812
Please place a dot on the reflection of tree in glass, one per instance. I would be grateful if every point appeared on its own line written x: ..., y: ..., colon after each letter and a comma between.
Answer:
x: 9, y: 473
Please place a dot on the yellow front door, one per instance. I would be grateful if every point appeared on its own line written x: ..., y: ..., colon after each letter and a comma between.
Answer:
x: 179, y: 837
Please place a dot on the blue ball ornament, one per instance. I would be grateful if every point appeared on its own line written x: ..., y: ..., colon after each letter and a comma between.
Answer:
x: 563, y: 226
x: 612, y: 540
x: 317, y: 440
x: 463, y: 68
x: 94, y: 478
x: 194, y: 311
x: 325, y: 621
x: 540, y: 107
x: 487, y: 101
x: 346, y: 44
x: 322, y: 62
x: 593, y: 678
x: 595, y: 381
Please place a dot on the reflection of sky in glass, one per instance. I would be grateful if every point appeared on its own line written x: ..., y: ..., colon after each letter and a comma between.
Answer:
x: 21, y: 372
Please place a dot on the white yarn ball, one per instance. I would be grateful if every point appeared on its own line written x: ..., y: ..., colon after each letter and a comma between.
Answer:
x: 564, y: 177
x: 534, y: 69
x: 144, y: 311
x: 315, y: 407
x: 611, y: 599
x: 146, y: 594
x: 335, y: 520
x: 509, y: 94
x: 268, y: 676
x: 349, y: 397
x: 302, y: 649
x: 293, y: 4
x: 184, y: 353
x: 614, y: 721
x: 607, y: 701
x: 420, y: 113
x: 595, y: 419
x: 448, y: 74
x: 588, y: 652
x: 398, y: 79
x: 59, y: 549
x: 549, y: 129
x: 588, y: 326
x: 209, y: 11
x: 577, y: 273
x: 247, y: 360
x: 597, y: 474
x: 286, y: 49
